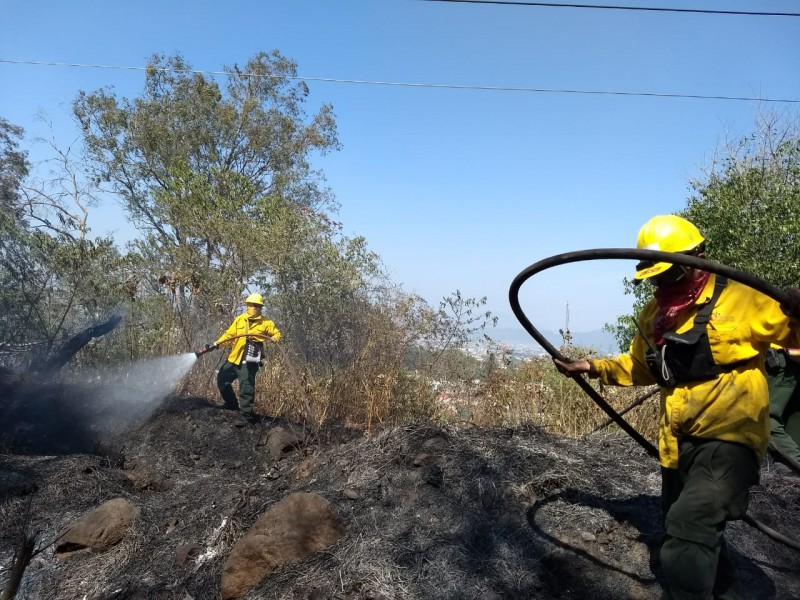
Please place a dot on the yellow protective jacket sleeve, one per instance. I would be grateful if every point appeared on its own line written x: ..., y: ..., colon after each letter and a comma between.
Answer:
x: 258, y: 329
x: 734, y: 407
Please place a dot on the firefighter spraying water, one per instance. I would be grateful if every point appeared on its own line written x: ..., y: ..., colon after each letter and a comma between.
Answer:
x: 246, y: 337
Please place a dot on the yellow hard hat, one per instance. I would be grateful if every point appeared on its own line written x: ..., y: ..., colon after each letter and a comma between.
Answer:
x: 667, y: 233
x: 254, y: 299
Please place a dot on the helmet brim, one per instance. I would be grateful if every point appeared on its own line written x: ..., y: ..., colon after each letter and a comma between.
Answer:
x: 254, y: 299
x: 652, y: 271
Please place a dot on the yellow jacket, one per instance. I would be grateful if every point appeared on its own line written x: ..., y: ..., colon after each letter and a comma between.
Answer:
x: 259, y: 327
x: 734, y: 407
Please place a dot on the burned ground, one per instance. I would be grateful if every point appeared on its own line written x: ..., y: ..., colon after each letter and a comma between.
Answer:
x: 430, y: 512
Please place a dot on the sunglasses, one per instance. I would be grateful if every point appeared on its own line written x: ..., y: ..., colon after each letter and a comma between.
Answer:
x: 671, y: 276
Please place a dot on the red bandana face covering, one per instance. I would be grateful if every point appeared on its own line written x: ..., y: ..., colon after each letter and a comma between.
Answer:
x: 673, y: 299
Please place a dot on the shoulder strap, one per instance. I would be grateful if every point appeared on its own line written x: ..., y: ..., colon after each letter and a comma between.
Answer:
x: 704, y: 314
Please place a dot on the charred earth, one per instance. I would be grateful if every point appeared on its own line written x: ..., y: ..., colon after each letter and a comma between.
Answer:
x: 421, y: 512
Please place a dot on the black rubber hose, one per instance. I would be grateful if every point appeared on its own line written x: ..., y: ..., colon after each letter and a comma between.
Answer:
x: 628, y: 408
x: 791, y: 461
x: 685, y: 260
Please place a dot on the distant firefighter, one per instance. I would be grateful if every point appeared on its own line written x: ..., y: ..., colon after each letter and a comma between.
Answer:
x: 246, y: 336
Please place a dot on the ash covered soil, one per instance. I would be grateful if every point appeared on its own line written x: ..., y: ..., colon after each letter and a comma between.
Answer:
x: 428, y: 512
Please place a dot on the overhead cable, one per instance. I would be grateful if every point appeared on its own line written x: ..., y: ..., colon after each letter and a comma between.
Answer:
x: 448, y: 86
x: 640, y: 8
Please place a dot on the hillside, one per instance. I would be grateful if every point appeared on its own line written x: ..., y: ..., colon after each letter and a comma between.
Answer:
x: 426, y: 513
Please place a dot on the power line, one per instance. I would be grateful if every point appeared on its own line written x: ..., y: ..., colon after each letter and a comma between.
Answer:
x: 485, y: 88
x: 640, y: 8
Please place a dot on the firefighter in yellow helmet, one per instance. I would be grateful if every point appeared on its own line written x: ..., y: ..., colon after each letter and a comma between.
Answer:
x: 703, y: 340
x: 246, y: 337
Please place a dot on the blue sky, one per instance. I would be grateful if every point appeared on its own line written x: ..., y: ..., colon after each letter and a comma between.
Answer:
x: 457, y: 188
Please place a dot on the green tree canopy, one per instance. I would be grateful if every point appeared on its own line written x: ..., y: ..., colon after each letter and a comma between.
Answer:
x: 205, y: 170
x: 748, y: 206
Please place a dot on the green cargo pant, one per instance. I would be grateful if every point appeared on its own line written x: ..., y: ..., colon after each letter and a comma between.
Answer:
x: 784, y: 398
x: 246, y: 374
x: 710, y: 487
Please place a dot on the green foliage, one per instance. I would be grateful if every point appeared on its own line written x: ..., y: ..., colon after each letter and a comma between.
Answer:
x: 54, y: 280
x: 13, y: 167
x: 17, y: 260
x: 624, y: 328
x: 214, y: 175
x: 52, y: 287
x: 748, y: 207
x: 322, y: 289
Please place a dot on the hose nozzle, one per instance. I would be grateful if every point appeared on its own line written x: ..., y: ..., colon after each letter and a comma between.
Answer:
x: 208, y: 348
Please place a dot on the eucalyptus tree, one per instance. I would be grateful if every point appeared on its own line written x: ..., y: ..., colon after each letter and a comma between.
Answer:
x: 15, y: 259
x: 54, y: 279
x: 208, y: 170
x: 14, y: 167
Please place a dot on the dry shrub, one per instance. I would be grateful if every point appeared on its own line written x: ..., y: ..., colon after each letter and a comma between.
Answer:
x: 373, y: 389
x: 377, y: 389
x: 644, y: 417
x: 281, y: 390
x: 201, y: 381
x: 535, y: 393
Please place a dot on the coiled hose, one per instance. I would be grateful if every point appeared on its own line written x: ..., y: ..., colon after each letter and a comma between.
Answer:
x: 685, y: 260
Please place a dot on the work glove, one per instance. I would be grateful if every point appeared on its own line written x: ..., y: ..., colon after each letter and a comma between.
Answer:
x: 211, y: 347
x: 791, y: 308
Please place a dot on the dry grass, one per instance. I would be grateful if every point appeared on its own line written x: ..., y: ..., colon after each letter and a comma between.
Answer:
x: 375, y: 390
